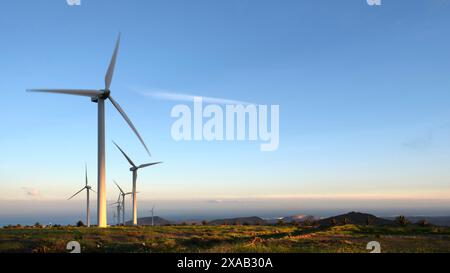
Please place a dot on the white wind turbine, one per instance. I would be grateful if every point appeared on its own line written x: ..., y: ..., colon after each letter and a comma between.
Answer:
x: 118, y: 207
x: 123, y: 194
x: 87, y: 188
x: 99, y: 97
x: 134, y: 169
x: 153, y: 214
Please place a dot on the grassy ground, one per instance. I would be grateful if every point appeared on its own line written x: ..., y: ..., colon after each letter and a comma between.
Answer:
x: 222, y: 239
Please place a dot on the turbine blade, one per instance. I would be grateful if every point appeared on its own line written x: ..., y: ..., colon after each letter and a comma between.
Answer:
x: 118, y: 187
x: 77, y: 193
x: 125, y: 155
x: 112, y: 65
x: 148, y: 164
x: 75, y: 92
x: 93, y: 190
x: 124, y: 115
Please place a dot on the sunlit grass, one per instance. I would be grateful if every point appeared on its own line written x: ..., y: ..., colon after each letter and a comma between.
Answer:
x: 226, y: 239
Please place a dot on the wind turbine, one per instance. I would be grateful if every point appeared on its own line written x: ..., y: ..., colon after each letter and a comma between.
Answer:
x: 99, y: 97
x: 134, y: 169
x: 118, y: 207
x: 123, y: 194
x: 153, y: 210
x: 87, y: 188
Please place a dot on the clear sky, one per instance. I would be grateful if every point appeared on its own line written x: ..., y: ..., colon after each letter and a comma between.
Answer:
x: 364, y: 97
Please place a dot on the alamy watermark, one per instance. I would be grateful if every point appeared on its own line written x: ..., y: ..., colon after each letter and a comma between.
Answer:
x: 239, y: 122
x: 374, y: 2
x: 73, y: 2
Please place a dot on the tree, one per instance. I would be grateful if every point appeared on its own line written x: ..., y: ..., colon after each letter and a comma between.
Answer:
x: 346, y: 221
x: 204, y: 222
x: 402, y: 221
x: 280, y: 222
x: 80, y: 224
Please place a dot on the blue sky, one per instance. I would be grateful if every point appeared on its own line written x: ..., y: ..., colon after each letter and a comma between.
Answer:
x: 363, y: 94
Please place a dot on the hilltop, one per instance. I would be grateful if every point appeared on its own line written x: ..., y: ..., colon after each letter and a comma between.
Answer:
x: 254, y: 220
x: 147, y: 221
x: 355, y: 218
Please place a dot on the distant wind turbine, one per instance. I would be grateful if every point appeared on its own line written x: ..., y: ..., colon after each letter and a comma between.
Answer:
x: 118, y: 207
x: 153, y: 214
x: 99, y: 97
x: 134, y: 169
x: 87, y: 188
x: 123, y: 194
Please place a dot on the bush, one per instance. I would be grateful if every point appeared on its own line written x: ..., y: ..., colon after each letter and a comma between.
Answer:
x: 423, y: 223
x: 280, y: 222
x: 333, y: 222
x: 80, y: 224
x: 370, y: 221
x: 204, y: 222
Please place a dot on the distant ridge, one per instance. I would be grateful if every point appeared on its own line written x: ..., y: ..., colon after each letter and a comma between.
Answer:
x: 254, y: 220
x: 356, y: 218
x: 147, y: 221
x: 443, y: 221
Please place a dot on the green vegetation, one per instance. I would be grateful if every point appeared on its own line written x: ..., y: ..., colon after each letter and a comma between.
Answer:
x: 226, y: 238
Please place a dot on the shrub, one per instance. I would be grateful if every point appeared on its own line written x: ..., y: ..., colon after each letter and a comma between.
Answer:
x: 204, y: 222
x: 423, y: 223
x: 333, y: 222
x: 370, y: 221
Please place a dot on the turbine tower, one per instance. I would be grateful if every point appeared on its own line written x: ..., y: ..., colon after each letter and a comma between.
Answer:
x: 88, y: 189
x: 123, y: 194
x: 134, y: 170
x: 99, y: 97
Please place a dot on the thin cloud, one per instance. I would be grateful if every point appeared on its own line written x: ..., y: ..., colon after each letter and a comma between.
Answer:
x: 31, y: 192
x: 420, y: 143
x: 170, y: 96
x: 221, y: 201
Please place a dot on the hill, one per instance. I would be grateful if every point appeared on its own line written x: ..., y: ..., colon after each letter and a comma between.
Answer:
x: 356, y: 218
x: 147, y: 221
x: 443, y: 221
x: 254, y: 220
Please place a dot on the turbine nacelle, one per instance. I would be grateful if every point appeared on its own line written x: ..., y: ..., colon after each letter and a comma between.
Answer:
x: 105, y: 94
